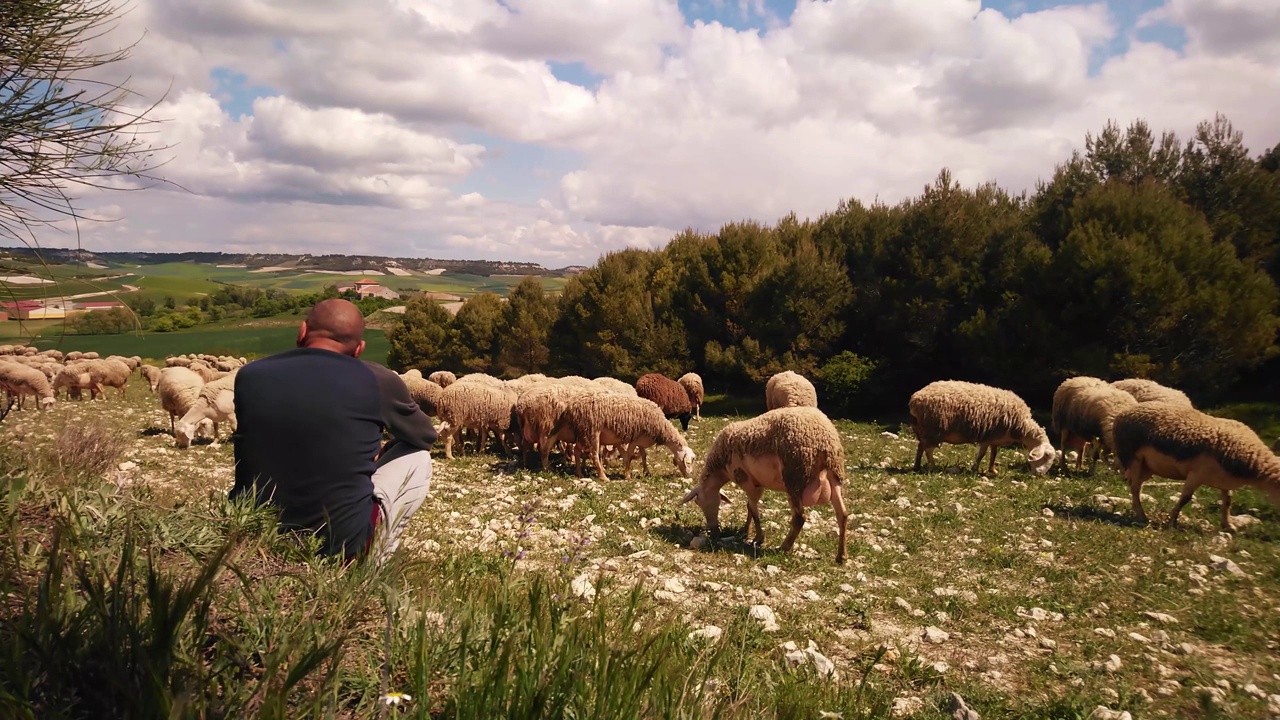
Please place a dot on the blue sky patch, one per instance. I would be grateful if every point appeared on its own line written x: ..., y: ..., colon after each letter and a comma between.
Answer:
x: 516, y: 172
x: 576, y: 73
x: 234, y: 93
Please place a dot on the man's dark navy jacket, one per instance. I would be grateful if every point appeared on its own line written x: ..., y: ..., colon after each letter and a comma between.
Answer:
x: 309, y: 424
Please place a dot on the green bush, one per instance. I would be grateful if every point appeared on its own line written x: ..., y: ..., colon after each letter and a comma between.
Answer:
x: 845, y: 380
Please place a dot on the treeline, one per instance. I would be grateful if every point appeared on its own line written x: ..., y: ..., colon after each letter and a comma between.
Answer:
x: 1142, y: 256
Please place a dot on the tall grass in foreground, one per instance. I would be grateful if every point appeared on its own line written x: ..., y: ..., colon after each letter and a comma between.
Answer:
x: 114, y: 607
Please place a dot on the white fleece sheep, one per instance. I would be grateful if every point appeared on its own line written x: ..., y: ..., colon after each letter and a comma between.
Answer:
x: 478, y: 406
x: 789, y: 389
x: 1151, y: 391
x: 793, y: 450
x: 615, y: 386
x: 537, y: 411
x: 151, y: 374
x: 215, y: 403
x: 1087, y: 415
x: 1182, y: 443
x: 22, y: 380
x: 179, y: 388
x: 598, y: 419
x: 960, y: 413
x: 692, y: 384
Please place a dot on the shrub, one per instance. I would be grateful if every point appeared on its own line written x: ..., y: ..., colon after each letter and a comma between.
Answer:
x: 844, y: 380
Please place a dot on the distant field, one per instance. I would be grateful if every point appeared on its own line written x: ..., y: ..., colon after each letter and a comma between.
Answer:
x: 241, y: 340
x: 183, y: 280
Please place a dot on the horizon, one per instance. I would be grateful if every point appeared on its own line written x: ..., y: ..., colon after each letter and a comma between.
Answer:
x: 536, y: 131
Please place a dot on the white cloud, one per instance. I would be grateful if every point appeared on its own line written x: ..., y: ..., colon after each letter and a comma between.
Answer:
x: 371, y: 131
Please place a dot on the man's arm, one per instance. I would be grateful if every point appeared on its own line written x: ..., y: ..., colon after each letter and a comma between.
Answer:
x: 404, y: 419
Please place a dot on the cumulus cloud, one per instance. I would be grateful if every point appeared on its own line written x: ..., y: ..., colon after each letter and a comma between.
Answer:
x: 375, y: 117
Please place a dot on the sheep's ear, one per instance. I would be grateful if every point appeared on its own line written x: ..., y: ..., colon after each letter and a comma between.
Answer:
x: 724, y: 499
x: 1036, y: 454
x: 692, y: 494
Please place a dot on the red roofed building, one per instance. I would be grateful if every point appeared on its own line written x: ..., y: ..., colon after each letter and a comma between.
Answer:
x: 364, y: 287
x: 21, y: 309
x: 104, y: 305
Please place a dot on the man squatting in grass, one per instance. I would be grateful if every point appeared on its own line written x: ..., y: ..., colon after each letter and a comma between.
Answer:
x: 310, y: 423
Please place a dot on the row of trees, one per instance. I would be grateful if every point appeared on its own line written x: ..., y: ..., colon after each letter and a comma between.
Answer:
x: 1142, y: 256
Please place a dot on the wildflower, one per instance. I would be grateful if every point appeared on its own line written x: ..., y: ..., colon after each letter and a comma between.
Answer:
x: 395, y: 698
x: 827, y: 715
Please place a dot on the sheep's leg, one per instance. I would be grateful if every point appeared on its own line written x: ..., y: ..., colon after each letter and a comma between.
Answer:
x: 448, y: 444
x: 842, y: 520
x: 697, y: 410
x: 1189, y: 487
x: 1097, y: 452
x: 629, y: 452
x: 797, y: 522
x: 644, y: 458
x: 982, y: 450
x: 991, y: 469
x: 1137, y: 474
x: 1226, y: 511
x: 919, y: 454
x: 594, y: 449
x: 173, y: 430
x: 753, y: 492
x: 544, y: 450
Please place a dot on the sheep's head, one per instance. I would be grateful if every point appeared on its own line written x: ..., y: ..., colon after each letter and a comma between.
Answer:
x: 684, y: 458
x: 184, y: 433
x: 1041, y: 458
x: 47, y: 403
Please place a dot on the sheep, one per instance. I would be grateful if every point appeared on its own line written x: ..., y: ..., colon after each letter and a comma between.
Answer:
x: 959, y: 412
x: 478, y: 406
x: 151, y: 374
x: 1063, y: 397
x: 789, y: 389
x: 1151, y: 391
x: 76, y: 378
x: 577, y: 380
x: 692, y: 384
x: 602, y: 419
x: 1181, y: 443
x: 668, y: 395
x: 215, y: 403
x: 21, y: 380
x: 1088, y: 415
x: 205, y: 370
x: 109, y: 373
x: 443, y: 378
x: 795, y: 450
x: 483, y: 379
x: 614, y: 386
x: 179, y: 388
x: 424, y: 392
x: 537, y: 411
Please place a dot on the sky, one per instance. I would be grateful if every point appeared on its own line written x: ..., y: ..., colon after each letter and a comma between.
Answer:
x: 554, y: 131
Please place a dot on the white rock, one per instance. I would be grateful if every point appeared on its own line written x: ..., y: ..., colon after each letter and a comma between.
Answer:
x: 1113, y: 663
x: 127, y: 465
x: 1243, y: 521
x: 666, y: 596
x: 1105, y: 632
x: 1224, y: 565
x: 902, y: 604
x: 673, y: 585
x: 811, y: 596
x: 772, y: 569
x: 935, y: 635
x: 889, y: 435
x: 906, y: 706
x: 487, y: 539
x: 1139, y: 638
x: 1047, y: 512
x: 941, y: 667
x: 810, y: 655
x: 960, y: 710
x: 765, y: 615
x: 711, y: 586
x: 698, y: 542
x: 1048, y: 644
x: 1102, y: 712
x: 847, y: 588
x: 582, y: 588
x: 710, y: 633
x: 1161, y: 618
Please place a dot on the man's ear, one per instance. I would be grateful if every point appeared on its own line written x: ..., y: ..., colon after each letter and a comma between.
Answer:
x: 359, y: 349
x: 302, y: 332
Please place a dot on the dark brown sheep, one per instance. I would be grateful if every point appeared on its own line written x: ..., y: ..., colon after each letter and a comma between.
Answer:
x: 668, y: 394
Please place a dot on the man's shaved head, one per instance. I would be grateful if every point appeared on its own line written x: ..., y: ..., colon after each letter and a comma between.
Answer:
x: 334, y: 324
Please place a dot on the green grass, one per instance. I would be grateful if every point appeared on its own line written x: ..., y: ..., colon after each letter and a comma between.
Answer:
x: 476, y: 634
x: 237, y: 340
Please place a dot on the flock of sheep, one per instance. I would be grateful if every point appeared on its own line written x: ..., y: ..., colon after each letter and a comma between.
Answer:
x: 792, y: 448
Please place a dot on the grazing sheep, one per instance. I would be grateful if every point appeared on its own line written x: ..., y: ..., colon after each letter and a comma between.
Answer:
x: 75, y: 377
x: 205, y: 370
x: 215, y: 403
x: 1063, y: 397
x: 1088, y: 416
x: 179, y: 388
x: 793, y: 450
x: 789, y: 389
x: 151, y: 374
x: 668, y: 395
x: 1182, y: 443
x: 483, y: 379
x: 692, y: 384
x: 22, y: 380
x: 615, y: 386
x: 443, y: 378
x: 538, y: 410
x: 959, y: 413
x: 110, y: 373
x: 603, y: 419
x: 1152, y: 391
x: 576, y: 380
x: 478, y: 406
x: 424, y: 392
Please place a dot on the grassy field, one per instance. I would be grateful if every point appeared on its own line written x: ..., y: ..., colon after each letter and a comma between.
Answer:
x: 253, y: 340
x: 182, y: 280
x: 535, y: 594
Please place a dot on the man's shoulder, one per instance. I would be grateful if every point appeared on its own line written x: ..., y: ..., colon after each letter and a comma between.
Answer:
x: 291, y: 361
